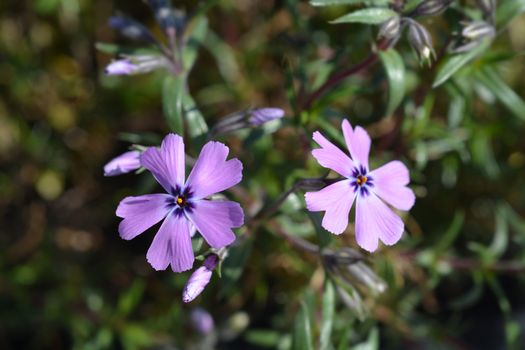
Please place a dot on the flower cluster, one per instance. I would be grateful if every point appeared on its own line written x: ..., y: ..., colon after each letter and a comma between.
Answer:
x: 186, y: 207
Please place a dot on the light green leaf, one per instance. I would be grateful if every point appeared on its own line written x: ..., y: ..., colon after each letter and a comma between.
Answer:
x: 347, y: 2
x: 328, y: 315
x: 395, y: 70
x: 302, y: 333
x: 114, y: 49
x: 172, y: 93
x: 491, y: 80
x: 508, y: 10
x: 454, y: 63
x: 197, y: 32
x: 195, y: 123
x: 375, y: 15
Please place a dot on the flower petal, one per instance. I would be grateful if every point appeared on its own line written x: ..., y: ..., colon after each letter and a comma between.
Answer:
x: 389, y: 184
x: 215, y: 219
x: 140, y: 213
x: 172, y: 244
x: 358, y: 143
x: 336, y: 200
x: 331, y: 157
x: 212, y: 173
x: 166, y: 163
x: 374, y: 219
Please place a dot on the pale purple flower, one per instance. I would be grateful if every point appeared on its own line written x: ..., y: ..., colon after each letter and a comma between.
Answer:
x: 199, y: 279
x: 370, y: 189
x: 123, y: 164
x: 184, y: 206
x: 201, y: 321
x: 263, y: 115
x: 121, y: 67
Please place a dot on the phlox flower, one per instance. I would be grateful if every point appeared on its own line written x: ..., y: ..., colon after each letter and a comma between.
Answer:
x: 185, y: 206
x: 199, y: 279
x: 370, y: 189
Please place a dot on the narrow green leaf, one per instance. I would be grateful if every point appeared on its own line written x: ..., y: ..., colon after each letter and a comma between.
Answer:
x: 114, y: 49
x: 508, y: 10
x: 130, y: 299
x: 375, y: 15
x: 395, y: 70
x: 302, y: 333
x: 454, y: 63
x: 328, y: 315
x: 197, y: 33
x: 491, y: 80
x: 347, y: 2
x: 172, y: 94
x: 196, y: 125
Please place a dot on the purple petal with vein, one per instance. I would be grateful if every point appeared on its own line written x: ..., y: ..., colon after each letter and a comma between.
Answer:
x: 331, y: 157
x: 374, y: 219
x: 123, y: 164
x: 358, y: 143
x: 172, y: 244
x: 390, y: 181
x: 140, y: 213
x: 336, y: 200
x: 215, y: 220
x: 263, y: 115
x: 212, y: 173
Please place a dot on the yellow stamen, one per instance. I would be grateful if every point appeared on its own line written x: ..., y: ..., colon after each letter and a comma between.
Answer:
x: 361, y: 180
x: 180, y: 200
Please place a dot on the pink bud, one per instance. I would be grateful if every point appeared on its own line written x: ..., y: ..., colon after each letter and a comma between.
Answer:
x: 123, y: 164
x: 199, y: 279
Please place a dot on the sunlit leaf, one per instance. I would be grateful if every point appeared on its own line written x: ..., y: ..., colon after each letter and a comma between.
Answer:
x: 395, y: 70
x: 172, y: 94
x: 328, y: 315
x: 302, y: 333
x: 347, y: 2
x: 367, y: 16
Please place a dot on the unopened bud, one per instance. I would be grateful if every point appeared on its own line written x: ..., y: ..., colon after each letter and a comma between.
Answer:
x: 199, y: 279
x: 391, y: 28
x: 201, y: 321
x: 488, y: 7
x: 263, y: 115
x: 131, y: 29
x: 123, y: 164
x: 431, y: 7
x: 421, y: 41
x: 478, y: 30
x: 170, y: 21
x: 136, y: 65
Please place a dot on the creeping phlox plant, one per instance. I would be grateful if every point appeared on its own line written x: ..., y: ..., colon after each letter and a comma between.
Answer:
x: 212, y: 205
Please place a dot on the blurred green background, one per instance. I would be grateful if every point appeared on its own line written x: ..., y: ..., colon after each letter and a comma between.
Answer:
x: 68, y: 281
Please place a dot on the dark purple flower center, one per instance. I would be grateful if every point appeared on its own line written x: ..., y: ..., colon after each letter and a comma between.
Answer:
x: 362, y: 181
x: 181, y: 200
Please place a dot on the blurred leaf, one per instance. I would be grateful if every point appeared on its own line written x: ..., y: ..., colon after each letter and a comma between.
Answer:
x: 197, y: 33
x: 347, y: 2
x: 514, y: 103
x: 372, y: 343
x: 328, y: 315
x: 302, y: 333
x: 135, y: 336
x: 507, y: 10
x: 233, y: 266
x: 224, y: 56
x: 451, y: 234
x: 472, y: 296
x: 172, y: 94
x: 114, y: 49
x: 501, y: 234
x: 263, y: 337
x: 195, y: 123
x: 345, y: 337
x: 395, y: 70
x: 454, y: 63
x: 367, y: 16
x: 129, y: 300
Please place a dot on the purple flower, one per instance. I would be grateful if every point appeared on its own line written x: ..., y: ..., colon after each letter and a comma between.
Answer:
x: 184, y: 206
x: 264, y: 115
x: 199, y: 279
x: 202, y: 321
x: 121, y: 67
x: 123, y: 164
x: 370, y: 189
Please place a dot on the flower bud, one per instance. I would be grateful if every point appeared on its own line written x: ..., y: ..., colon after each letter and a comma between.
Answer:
x: 123, y: 164
x: 431, y: 7
x: 121, y: 67
x: 131, y: 29
x: 199, y: 279
x: 201, y: 321
x: 391, y: 28
x: 421, y: 41
x: 478, y: 30
x: 170, y: 21
x: 263, y: 115
x: 488, y: 7
x: 136, y: 65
